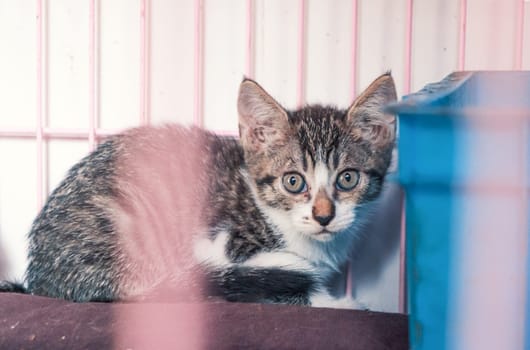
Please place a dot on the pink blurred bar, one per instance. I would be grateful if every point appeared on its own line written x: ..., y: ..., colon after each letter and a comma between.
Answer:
x: 402, y: 303
x: 40, y: 105
x: 249, y: 71
x: 462, y: 35
x: 92, y: 75
x: 354, y: 45
x: 301, y: 53
x: 144, y: 62
x: 408, y: 46
x: 519, y: 36
x: 199, y: 63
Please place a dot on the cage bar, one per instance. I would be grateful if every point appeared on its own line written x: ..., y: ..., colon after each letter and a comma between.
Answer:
x: 408, y: 46
x: 144, y: 62
x: 407, y: 88
x: 249, y: 69
x: 40, y: 104
x: 92, y: 74
x: 519, y: 35
x: 462, y: 35
x: 402, y: 293
x: 199, y: 63
x: 353, y: 85
x: 354, y: 46
x: 301, y: 52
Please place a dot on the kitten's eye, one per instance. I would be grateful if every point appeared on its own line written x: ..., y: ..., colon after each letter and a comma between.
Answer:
x: 294, y: 182
x: 347, y: 180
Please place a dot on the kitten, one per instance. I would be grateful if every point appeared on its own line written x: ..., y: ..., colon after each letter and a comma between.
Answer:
x: 266, y: 218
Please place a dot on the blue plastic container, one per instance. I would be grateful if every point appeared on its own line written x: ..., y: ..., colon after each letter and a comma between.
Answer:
x: 463, y: 162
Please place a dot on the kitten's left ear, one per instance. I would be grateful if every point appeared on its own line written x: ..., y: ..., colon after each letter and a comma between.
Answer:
x: 366, y: 115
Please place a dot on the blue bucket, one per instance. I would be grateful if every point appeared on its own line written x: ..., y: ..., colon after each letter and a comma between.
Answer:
x: 463, y: 163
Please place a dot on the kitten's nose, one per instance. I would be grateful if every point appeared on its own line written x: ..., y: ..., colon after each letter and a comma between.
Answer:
x: 323, y: 220
x: 323, y: 209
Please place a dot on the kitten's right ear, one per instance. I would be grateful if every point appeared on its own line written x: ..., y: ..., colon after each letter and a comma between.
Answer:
x: 262, y: 121
x: 367, y: 116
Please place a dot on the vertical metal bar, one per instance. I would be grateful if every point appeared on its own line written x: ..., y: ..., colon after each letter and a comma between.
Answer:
x: 349, y: 280
x: 249, y: 70
x: 353, y: 86
x: 408, y: 46
x: 402, y: 303
x: 144, y: 62
x: 519, y: 36
x: 462, y: 35
x: 301, y: 53
x: 40, y: 104
x: 92, y: 75
x: 407, y: 88
x: 199, y: 62
x: 354, y: 45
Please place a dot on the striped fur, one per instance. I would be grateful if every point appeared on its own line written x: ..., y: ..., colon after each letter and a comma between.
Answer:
x: 167, y: 207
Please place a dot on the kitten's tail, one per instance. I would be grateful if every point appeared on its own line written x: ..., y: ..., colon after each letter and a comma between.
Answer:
x: 12, y: 287
x: 270, y: 285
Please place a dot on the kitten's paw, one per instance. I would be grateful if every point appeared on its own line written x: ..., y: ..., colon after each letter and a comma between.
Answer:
x: 326, y: 300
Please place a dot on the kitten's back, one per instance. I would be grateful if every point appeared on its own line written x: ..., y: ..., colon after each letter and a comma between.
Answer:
x: 72, y: 249
x: 121, y: 222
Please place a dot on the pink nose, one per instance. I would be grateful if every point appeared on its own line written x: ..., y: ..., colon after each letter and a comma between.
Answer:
x: 323, y: 209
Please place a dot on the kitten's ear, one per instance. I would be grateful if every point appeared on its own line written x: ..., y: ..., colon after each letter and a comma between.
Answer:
x: 366, y: 115
x: 262, y: 121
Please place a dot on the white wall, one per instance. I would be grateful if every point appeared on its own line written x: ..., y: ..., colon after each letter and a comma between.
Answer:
x: 491, y: 33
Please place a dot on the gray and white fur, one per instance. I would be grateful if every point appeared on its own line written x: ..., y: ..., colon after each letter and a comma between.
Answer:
x: 268, y: 217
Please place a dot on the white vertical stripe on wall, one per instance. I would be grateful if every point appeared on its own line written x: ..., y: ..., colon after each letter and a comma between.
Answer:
x: 172, y: 35
x: 277, y: 48
x: 18, y: 203
x: 435, y: 50
x: 491, y: 34
x: 382, y: 40
x: 329, y: 55
x: 17, y: 63
x: 119, y: 62
x: 67, y: 54
x: 224, y: 61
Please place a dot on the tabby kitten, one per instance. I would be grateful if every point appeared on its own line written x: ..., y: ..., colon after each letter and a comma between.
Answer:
x: 266, y: 218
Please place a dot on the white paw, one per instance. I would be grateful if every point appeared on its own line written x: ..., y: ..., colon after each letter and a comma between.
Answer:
x: 326, y: 300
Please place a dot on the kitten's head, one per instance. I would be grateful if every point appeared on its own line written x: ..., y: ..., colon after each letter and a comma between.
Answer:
x: 311, y: 168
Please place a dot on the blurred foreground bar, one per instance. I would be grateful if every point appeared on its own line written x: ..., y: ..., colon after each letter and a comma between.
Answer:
x: 463, y: 162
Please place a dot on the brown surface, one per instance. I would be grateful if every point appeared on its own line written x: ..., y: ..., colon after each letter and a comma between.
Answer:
x: 31, y: 322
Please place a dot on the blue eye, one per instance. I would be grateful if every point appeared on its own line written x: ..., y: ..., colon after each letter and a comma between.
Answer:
x: 347, y: 180
x: 293, y: 182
